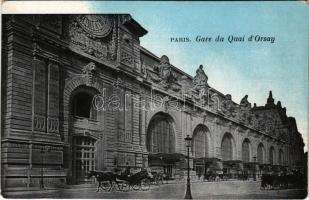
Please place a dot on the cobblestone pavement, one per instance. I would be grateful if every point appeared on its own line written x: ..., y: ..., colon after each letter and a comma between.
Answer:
x: 200, y: 190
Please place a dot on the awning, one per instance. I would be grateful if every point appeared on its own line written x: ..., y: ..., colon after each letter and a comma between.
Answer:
x: 234, y: 164
x: 168, y: 158
x: 216, y: 166
x: 265, y: 167
x: 205, y: 160
x: 231, y: 162
x: 276, y: 168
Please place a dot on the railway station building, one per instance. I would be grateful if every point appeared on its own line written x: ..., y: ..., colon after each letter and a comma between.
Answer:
x: 80, y: 93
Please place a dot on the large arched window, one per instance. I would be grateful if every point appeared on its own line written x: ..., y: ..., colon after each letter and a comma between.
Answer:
x: 271, y: 155
x: 260, y: 153
x: 81, y: 103
x: 281, y: 158
x: 160, y: 134
x: 227, y: 147
x: 200, y: 143
x: 246, y: 150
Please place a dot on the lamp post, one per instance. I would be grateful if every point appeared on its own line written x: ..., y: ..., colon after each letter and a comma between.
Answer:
x: 254, y: 166
x: 188, y: 145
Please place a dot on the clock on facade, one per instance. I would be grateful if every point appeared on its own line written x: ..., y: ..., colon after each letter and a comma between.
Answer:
x: 95, y: 25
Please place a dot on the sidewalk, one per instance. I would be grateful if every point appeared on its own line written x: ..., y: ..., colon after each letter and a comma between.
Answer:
x: 200, y: 190
x: 47, y: 188
x: 94, y: 185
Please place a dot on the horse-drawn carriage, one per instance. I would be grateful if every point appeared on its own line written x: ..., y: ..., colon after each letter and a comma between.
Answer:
x: 124, y: 181
x: 157, y: 178
x: 138, y: 181
x: 283, y: 181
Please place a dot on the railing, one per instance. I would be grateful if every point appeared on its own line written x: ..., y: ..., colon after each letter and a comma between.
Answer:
x: 86, y: 123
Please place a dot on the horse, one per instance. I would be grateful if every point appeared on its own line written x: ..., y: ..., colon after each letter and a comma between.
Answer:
x: 103, y: 176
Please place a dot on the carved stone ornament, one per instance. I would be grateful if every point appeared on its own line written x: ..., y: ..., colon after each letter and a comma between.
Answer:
x: 89, y: 72
x: 95, y: 35
x: 39, y: 123
x: 244, y: 103
x: 52, y: 125
x: 118, y: 83
x: 200, y: 79
x: 95, y: 25
x: 164, y: 75
x: 214, y: 102
x: 126, y: 58
x: 227, y: 107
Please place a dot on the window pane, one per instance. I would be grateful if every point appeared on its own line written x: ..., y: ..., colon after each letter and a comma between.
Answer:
x: 200, y: 144
x: 260, y: 154
x: 160, y: 137
x: 226, y: 148
x: 245, y: 151
x: 271, y: 155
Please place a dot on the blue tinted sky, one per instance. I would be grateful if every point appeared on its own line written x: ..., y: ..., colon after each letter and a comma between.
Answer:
x: 238, y: 68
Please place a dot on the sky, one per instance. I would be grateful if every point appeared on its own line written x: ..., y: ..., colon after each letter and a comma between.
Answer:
x: 251, y: 68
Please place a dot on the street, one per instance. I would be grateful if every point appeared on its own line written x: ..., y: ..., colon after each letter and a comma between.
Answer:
x: 200, y: 190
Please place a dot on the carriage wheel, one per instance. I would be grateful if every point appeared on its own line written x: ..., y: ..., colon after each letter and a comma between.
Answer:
x: 159, y: 181
x: 105, y: 185
x: 145, y: 184
x: 154, y: 181
x: 125, y: 187
x: 136, y: 186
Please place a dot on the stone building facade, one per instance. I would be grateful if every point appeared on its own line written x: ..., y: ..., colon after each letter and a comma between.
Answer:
x: 80, y: 93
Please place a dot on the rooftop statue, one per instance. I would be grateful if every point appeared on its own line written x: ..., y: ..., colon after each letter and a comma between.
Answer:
x: 165, y: 75
x: 165, y: 70
x: 200, y: 79
x: 244, y: 102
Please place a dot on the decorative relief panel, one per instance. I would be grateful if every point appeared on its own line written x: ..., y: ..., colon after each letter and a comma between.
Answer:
x: 95, y: 25
x: 39, y: 123
x: 52, y: 125
x: 96, y: 35
x: 127, y: 41
x: 53, y: 99
x: 40, y: 101
x: 40, y: 88
x: 126, y: 58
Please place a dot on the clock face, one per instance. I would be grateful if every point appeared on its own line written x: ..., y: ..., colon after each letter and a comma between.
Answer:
x: 95, y: 25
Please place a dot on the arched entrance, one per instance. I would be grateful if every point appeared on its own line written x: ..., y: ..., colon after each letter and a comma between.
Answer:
x: 160, y: 142
x: 200, y: 149
x: 161, y: 134
x: 227, y: 147
x: 261, y: 154
x: 281, y: 158
x: 230, y: 168
x: 246, y: 151
x: 271, y: 155
x: 261, y: 159
x: 84, y: 130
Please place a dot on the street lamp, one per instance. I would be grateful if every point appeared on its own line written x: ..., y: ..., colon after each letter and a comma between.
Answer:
x: 254, y: 166
x: 188, y: 191
x: 43, y: 151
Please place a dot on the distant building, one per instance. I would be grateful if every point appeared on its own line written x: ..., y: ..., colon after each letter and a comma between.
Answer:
x: 79, y: 93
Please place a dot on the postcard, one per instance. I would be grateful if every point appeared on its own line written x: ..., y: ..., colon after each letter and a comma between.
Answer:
x: 154, y: 100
